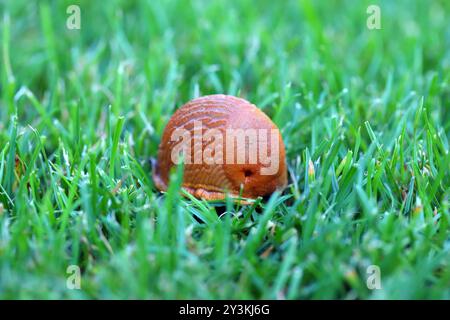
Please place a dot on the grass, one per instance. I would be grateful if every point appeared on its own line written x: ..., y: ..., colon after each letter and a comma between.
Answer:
x: 364, y: 114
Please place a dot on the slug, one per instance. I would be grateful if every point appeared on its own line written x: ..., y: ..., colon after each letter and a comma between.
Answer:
x: 227, y: 144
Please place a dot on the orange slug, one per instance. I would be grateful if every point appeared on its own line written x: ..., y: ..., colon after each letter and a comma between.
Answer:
x: 227, y: 144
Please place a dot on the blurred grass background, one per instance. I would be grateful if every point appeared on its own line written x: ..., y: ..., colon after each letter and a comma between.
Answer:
x: 365, y: 117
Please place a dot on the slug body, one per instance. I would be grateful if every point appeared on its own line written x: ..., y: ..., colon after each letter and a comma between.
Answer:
x: 227, y: 144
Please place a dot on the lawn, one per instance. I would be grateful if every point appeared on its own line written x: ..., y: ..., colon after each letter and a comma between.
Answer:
x: 364, y: 114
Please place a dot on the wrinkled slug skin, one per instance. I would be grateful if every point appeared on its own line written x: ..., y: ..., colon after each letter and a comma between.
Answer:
x: 212, y: 181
